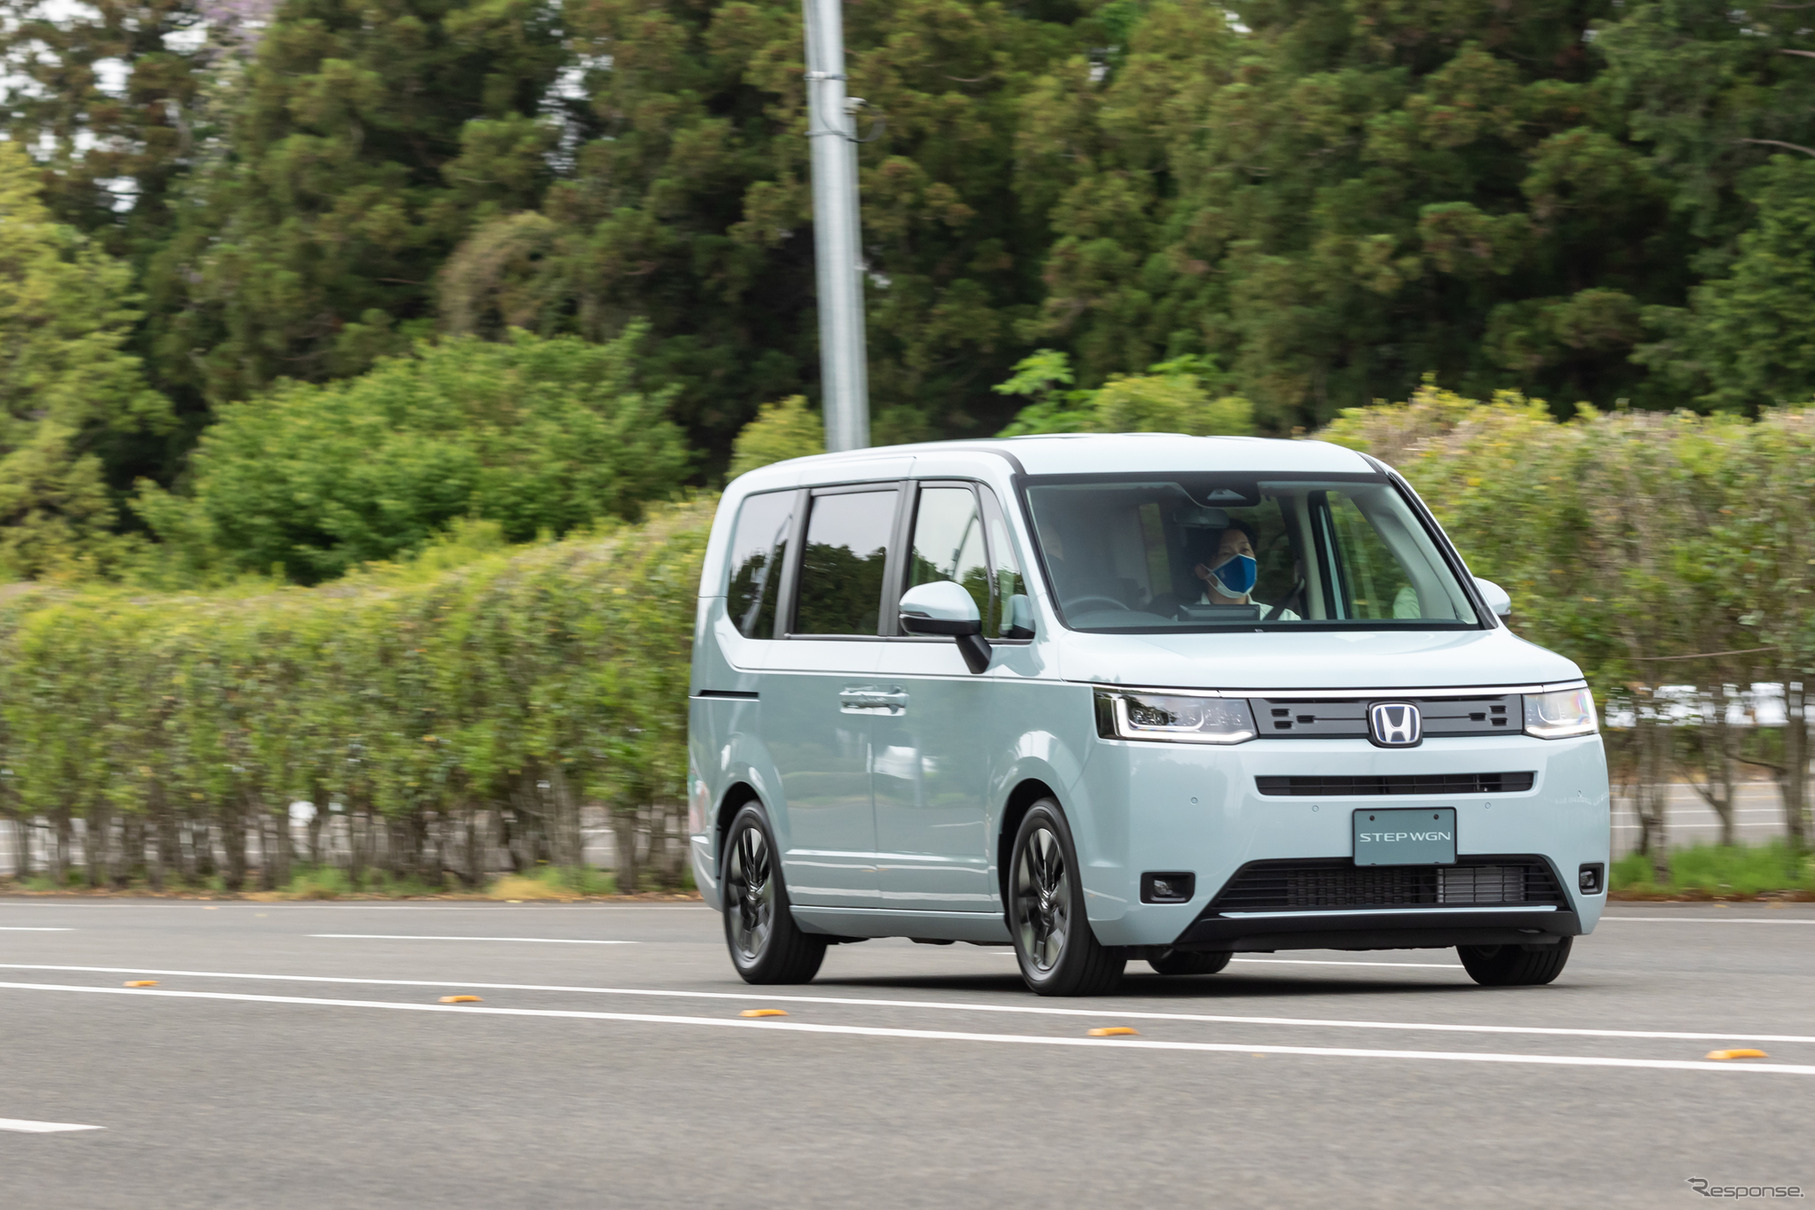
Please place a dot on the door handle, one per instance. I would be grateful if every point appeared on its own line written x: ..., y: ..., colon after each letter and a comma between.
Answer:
x: 872, y: 699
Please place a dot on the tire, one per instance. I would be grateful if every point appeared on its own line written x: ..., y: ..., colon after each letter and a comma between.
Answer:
x: 1187, y: 962
x: 766, y: 945
x: 1057, y: 952
x: 1514, y: 965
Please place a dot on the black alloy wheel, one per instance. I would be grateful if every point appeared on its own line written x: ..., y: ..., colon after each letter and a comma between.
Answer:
x: 1514, y: 965
x: 1058, y: 953
x: 766, y: 945
x: 1187, y: 962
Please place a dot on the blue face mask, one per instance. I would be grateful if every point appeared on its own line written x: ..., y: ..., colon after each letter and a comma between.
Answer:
x: 1235, y: 576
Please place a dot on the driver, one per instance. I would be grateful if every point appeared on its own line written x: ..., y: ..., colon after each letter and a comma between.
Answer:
x: 1231, y: 570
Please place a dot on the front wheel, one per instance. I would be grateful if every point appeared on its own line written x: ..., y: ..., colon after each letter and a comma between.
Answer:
x: 1058, y: 953
x: 766, y: 945
x: 1514, y: 965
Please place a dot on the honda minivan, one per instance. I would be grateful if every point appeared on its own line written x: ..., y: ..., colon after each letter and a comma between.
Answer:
x: 1110, y: 698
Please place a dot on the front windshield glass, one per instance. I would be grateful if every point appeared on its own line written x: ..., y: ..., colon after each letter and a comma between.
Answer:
x: 1202, y: 551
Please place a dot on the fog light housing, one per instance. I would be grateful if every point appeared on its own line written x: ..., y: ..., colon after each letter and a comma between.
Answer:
x: 1592, y: 879
x: 1168, y: 887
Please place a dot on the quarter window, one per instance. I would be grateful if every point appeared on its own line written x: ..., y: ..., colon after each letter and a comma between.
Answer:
x: 843, y: 563
x: 759, y: 546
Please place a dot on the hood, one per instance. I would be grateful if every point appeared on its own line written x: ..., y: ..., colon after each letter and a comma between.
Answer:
x: 1326, y: 659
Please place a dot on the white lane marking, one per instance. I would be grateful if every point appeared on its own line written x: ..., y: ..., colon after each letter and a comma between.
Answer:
x: 20, y: 928
x: 1039, y: 1010
x: 1705, y: 920
x: 418, y: 937
x: 945, y: 1035
x: 23, y: 1126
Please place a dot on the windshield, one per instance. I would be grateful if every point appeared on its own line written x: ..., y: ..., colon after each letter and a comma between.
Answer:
x: 1200, y: 551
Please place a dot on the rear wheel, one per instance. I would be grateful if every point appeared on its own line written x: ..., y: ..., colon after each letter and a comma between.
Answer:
x: 1058, y: 953
x: 1514, y: 965
x: 1187, y: 962
x: 766, y: 945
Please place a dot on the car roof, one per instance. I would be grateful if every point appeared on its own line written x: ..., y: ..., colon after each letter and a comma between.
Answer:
x: 1084, y: 453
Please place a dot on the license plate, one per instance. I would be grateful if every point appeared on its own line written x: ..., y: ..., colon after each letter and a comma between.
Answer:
x: 1413, y: 836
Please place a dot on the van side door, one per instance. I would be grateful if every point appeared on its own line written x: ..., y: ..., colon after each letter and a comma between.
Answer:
x: 820, y: 696
x: 949, y: 732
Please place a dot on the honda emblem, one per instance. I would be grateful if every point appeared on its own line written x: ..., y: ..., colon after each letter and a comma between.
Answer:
x: 1395, y: 725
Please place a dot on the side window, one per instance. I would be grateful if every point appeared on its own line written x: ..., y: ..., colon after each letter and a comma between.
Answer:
x: 1012, y: 613
x: 759, y: 545
x: 842, y: 565
x: 948, y: 543
x: 1375, y: 585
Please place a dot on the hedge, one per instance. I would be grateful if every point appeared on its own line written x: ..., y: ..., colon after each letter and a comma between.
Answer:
x: 462, y: 712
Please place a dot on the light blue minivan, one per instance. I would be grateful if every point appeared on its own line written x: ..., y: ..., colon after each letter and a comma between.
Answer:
x: 1148, y: 697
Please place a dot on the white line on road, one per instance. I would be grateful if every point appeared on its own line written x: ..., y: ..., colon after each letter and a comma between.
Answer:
x: 415, y: 937
x: 1039, y: 1010
x: 942, y: 1035
x: 1706, y: 920
x: 20, y: 928
x: 22, y: 1126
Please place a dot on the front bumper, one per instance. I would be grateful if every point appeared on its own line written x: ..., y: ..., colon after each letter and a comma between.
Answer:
x: 1169, y: 807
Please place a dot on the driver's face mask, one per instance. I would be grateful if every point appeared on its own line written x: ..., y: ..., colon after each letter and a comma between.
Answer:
x: 1235, y: 576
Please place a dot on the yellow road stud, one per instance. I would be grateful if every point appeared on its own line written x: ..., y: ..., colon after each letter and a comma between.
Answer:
x: 461, y: 1000
x: 1115, y: 1031
x: 140, y: 983
x: 1737, y: 1054
x: 764, y: 1012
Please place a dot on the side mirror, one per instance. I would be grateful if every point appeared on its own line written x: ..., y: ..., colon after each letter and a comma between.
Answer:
x: 944, y: 608
x: 1495, y: 596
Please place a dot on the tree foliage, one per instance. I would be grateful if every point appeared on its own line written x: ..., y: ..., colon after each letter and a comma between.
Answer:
x: 68, y: 390
x: 538, y: 436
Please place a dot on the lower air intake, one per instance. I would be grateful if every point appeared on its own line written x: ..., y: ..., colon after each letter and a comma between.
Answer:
x: 1330, y: 884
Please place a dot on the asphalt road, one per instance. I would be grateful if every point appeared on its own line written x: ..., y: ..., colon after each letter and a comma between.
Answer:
x: 298, y: 1055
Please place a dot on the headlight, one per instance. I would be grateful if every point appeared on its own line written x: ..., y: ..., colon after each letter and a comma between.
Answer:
x: 1560, y: 714
x: 1175, y: 717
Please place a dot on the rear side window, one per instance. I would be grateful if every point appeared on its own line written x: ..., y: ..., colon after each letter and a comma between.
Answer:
x: 759, y: 545
x: 843, y: 564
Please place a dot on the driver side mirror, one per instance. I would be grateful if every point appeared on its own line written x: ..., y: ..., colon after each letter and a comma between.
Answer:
x: 1497, y: 598
x: 945, y: 608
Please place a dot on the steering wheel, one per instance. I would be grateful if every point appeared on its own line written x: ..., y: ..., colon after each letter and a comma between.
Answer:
x: 1109, y: 601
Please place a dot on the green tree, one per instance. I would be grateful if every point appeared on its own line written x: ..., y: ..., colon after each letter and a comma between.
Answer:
x: 361, y: 144
x: 1172, y: 397
x: 687, y: 202
x: 1333, y: 200
x: 106, y: 94
x: 539, y: 436
x: 69, y: 393
x: 782, y: 430
x: 1747, y: 338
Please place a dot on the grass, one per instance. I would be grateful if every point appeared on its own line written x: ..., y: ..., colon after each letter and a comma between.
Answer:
x: 1712, y: 871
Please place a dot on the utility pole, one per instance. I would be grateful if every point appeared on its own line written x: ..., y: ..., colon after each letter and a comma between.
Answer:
x: 837, y: 248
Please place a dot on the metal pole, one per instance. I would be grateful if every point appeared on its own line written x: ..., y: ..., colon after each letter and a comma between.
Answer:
x: 837, y: 248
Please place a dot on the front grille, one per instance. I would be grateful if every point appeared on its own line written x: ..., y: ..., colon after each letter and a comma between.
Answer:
x: 1326, y: 884
x: 1405, y: 785
x: 1333, y: 718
